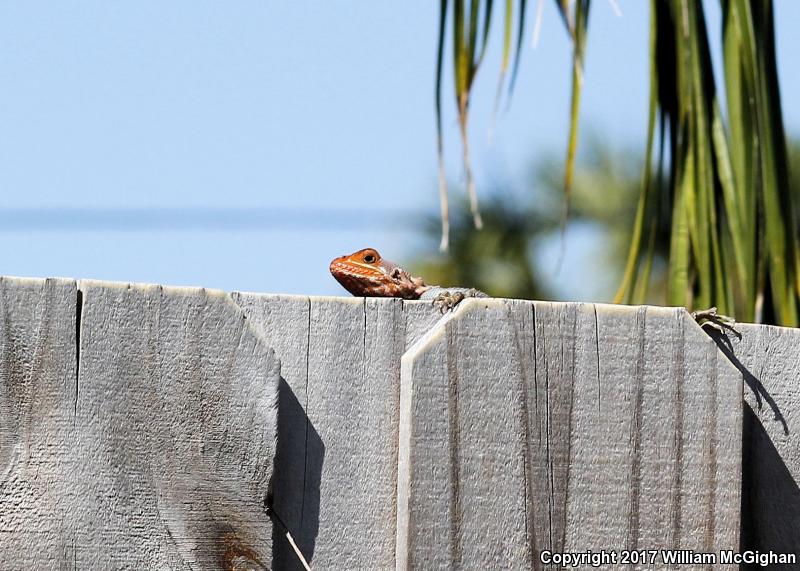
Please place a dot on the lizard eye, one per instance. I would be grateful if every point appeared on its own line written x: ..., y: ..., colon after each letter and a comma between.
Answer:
x: 369, y: 258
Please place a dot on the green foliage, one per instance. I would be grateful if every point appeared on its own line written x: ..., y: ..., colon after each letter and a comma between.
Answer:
x: 499, y: 258
x: 726, y: 187
x: 469, y: 46
x: 718, y: 181
x: 471, y: 24
x: 607, y: 184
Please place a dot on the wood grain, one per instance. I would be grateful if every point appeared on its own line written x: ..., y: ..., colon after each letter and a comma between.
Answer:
x: 177, y: 417
x: 153, y: 449
x: 335, y: 470
x: 38, y: 365
x: 336, y: 477
x: 149, y: 429
x: 528, y: 426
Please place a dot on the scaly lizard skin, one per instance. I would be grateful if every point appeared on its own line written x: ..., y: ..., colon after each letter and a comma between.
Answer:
x: 365, y: 273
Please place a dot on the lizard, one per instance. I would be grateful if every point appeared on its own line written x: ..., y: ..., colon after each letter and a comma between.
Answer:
x: 366, y: 273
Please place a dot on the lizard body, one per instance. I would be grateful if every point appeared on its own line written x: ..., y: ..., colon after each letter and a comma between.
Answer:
x: 366, y: 273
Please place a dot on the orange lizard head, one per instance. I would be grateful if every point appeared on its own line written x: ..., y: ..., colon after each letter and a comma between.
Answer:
x: 365, y: 273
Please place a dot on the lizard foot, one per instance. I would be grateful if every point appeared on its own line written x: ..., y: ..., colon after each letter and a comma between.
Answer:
x: 710, y: 318
x: 447, y: 300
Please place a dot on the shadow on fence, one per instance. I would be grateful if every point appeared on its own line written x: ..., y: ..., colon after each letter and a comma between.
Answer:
x: 770, y: 516
x: 299, y: 457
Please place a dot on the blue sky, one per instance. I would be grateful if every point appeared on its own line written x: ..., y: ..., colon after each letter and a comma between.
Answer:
x: 197, y: 116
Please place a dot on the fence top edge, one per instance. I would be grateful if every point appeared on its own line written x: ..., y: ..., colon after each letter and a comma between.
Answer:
x: 33, y: 281
x: 84, y: 284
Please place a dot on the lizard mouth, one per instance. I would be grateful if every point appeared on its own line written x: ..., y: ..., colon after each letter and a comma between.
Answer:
x: 358, y: 279
x: 354, y: 269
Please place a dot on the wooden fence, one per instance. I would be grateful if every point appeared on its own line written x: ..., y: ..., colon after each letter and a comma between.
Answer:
x: 148, y: 427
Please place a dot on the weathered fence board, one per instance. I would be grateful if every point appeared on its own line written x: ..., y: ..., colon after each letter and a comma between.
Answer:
x: 283, y: 323
x: 404, y: 439
x: 177, y: 409
x: 769, y: 359
x: 344, y: 370
x: 37, y: 402
x: 159, y: 453
x: 537, y: 426
x: 335, y: 482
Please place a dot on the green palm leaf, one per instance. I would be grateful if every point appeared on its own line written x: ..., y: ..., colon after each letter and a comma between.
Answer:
x: 718, y: 179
